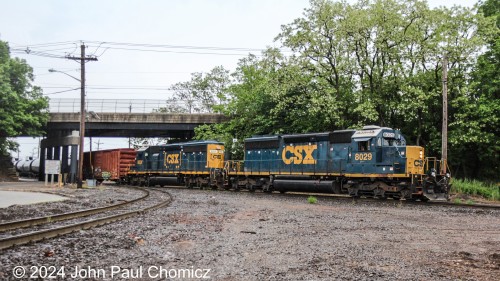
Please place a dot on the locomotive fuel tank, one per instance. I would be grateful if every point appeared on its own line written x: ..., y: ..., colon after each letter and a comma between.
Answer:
x: 163, y: 181
x: 316, y: 186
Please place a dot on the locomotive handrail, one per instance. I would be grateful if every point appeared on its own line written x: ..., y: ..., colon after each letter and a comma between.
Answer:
x: 436, y: 166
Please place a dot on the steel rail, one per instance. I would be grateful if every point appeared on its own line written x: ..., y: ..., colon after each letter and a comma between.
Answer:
x: 407, y: 202
x: 347, y: 197
x: 59, y: 231
x: 404, y: 202
x: 68, y: 216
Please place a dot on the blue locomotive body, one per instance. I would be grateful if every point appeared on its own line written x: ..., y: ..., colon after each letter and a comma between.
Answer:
x: 373, y: 150
x: 176, y: 163
x: 374, y: 161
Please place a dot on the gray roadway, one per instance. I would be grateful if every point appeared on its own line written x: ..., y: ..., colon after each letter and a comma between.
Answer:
x: 21, y: 193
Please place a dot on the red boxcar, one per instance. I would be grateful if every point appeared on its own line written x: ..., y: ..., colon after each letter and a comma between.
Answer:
x: 111, y: 164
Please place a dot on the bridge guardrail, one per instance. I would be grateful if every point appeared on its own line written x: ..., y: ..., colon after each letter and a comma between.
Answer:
x: 121, y: 106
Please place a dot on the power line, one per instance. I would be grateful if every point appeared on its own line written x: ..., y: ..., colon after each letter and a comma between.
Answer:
x: 62, y: 91
x: 175, y: 52
x: 47, y: 44
x: 111, y: 88
x: 39, y: 49
x: 178, y: 46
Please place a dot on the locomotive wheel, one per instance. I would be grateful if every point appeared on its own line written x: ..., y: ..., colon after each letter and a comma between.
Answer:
x: 250, y: 187
x: 234, y: 185
x: 424, y: 199
x: 405, y: 193
x: 378, y: 193
x: 353, y: 191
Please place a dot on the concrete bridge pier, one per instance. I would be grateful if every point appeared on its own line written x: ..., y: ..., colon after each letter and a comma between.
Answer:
x: 57, y: 148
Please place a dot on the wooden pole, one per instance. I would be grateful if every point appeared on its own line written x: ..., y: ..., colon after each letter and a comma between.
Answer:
x: 444, y: 131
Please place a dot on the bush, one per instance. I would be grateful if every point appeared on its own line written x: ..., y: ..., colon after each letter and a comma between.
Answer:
x: 474, y: 187
x: 312, y: 200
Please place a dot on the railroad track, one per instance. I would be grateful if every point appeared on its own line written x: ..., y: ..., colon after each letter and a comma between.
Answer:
x: 404, y: 202
x: 62, y: 230
x: 347, y: 197
x: 68, y: 216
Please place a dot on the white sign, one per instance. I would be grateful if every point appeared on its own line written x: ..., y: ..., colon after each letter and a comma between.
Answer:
x: 52, y: 167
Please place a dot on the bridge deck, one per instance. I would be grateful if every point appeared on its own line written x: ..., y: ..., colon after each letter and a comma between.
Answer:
x: 133, y: 124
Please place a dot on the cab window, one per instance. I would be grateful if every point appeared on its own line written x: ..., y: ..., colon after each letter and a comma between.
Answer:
x: 363, y: 146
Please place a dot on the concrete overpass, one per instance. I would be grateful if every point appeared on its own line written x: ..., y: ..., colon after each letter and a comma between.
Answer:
x: 143, y: 125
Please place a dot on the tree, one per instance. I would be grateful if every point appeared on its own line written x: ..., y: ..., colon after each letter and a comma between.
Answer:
x: 248, y: 108
x: 477, y: 136
x: 382, y: 61
x: 23, y: 109
x: 377, y: 62
x: 203, y: 93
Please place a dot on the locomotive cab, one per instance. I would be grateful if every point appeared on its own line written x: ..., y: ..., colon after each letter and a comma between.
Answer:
x: 378, y: 150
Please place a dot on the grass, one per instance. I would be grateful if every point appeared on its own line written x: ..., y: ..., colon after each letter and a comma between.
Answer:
x: 477, y: 188
x: 312, y: 200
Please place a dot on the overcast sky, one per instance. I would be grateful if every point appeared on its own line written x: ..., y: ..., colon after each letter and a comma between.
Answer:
x: 232, y: 25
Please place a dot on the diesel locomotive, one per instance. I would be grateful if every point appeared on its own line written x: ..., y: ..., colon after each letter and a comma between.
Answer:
x: 372, y: 162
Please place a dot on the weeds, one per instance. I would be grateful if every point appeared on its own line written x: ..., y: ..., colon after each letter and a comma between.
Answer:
x: 457, y: 201
x: 474, y: 187
x: 469, y: 202
x: 312, y: 200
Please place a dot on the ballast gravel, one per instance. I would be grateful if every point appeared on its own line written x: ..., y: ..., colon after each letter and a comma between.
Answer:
x: 227, y: 235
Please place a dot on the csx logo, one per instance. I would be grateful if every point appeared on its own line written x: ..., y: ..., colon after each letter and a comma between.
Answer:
x: 301, y: 154
x: 172, y: 158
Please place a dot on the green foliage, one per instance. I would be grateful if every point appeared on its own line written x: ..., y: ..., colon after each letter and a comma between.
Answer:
x: 477, y: 139
x: 312, y: 200
x: 23, y: 109
x: 377, y: 62
x: 474, y: 187
x: 457, y: 201
x: 205, y: 92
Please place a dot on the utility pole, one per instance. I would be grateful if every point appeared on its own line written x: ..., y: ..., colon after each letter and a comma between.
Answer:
x: 444, y: 131
x: 98, y: 142
x: 82, y: 60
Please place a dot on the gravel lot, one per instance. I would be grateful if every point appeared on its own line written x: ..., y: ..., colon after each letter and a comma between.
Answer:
x: 78, y: 199
x: 244, y: 236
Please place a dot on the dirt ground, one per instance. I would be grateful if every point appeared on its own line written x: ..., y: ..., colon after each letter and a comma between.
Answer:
x: 227, y: 235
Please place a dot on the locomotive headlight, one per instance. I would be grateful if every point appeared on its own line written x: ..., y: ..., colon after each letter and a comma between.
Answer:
x: 421, y: 154
x: 448, y: 175
x: 433, y: 174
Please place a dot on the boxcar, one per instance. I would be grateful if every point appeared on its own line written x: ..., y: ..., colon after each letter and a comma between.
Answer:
x: 112, y: 164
